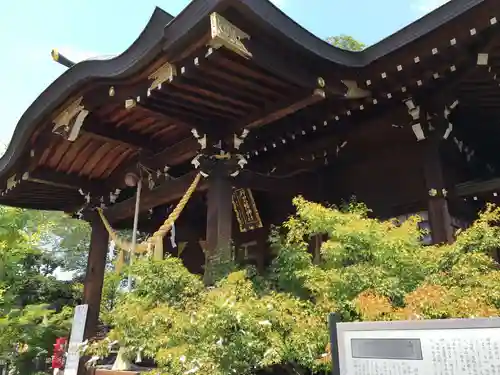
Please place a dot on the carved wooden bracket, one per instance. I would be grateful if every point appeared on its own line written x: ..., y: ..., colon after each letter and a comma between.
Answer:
x: 164, y: 73
x: 225, y: 34
x: 69, y: 122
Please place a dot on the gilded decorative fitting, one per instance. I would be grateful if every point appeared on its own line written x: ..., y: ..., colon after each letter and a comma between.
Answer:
x: 225, y: 34
x: 11, y: 182
x: 164, y: 73
x: 55, y: 55
x: 111, y: 91
x: 130, y: 103
x: 354, y: 91
x: 321, y: 82
x: 246, y: 211
x: 433, y: 192
x: 223, y: 156
x: 319, y: 92
x: 75, y: 111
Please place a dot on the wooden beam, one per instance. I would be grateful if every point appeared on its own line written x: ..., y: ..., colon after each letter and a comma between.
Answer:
x: 325, y: 138
x: 165, y: 193
x: 281, y: 67
x: 188, y: 78
x: 109, y: 133
x: 312, y: 92
x: 182, y: 119
x: 279, y: 110
x: 105, y: 94
x: 290, y: 184
x: 476, y: 188
x: 174, y: 189
x: 179, y: 153
x: 39, y: 143
x: 50, y: 177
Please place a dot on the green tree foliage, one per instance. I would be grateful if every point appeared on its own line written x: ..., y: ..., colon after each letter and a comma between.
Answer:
x: 27, y: 335
x: 247, y: 323
x: 110, y: 295
x: 33, y: 301
x: 346, y: 42
x: 68, y: 239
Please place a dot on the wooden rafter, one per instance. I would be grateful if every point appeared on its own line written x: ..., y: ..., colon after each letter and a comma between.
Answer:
x: 179, y: 153
x: 106, y: 94
x: 108, y: 133
x: 174, y: 155
x: 280, y: 110
x: 476, y: 187
x: 464, y: 67
x: 49, y: 177
x: 278, y: 66
x: 226, y: 92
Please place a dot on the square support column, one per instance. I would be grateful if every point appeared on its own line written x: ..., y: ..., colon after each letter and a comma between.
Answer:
x: 219, y: 221
x: 439, y: 215
x: 94, y: 278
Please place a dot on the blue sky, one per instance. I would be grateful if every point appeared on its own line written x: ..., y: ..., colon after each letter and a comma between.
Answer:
x: 82, y: 29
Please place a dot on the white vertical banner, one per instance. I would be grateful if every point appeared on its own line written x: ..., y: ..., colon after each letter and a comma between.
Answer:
x: 76, y: 338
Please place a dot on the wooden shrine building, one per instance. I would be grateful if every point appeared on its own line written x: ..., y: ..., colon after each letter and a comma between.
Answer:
x: 236, y: 91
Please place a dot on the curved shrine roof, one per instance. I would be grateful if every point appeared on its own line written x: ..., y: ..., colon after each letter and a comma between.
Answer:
x: 168, y: 39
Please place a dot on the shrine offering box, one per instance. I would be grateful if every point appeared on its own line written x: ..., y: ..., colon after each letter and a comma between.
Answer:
x: 417, y: 347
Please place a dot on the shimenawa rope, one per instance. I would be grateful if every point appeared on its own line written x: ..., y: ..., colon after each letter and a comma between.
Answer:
x: 157, y: 238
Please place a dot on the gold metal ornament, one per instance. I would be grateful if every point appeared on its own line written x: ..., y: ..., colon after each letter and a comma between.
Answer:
x: 164, y: 73
x: 246, y: 210
x: 75, y: 115
x: 225, y: 34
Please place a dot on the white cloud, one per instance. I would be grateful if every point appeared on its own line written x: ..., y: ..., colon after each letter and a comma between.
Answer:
x: 426, y: 6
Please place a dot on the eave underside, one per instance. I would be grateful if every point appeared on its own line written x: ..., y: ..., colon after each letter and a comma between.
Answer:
x: 217, y: 91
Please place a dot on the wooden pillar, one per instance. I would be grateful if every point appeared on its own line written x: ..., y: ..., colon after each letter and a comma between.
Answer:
x: 94, y: 278
x: 439, y: 216
x: 219, y: 219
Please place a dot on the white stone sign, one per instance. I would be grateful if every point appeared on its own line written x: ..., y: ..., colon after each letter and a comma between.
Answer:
x: 76, y: 338
x: 431, y: 347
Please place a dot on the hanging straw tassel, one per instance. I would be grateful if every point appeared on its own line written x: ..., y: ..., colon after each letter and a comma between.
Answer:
x: 120, y: 261
x: 153, y: 242
x: 158, y: 249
